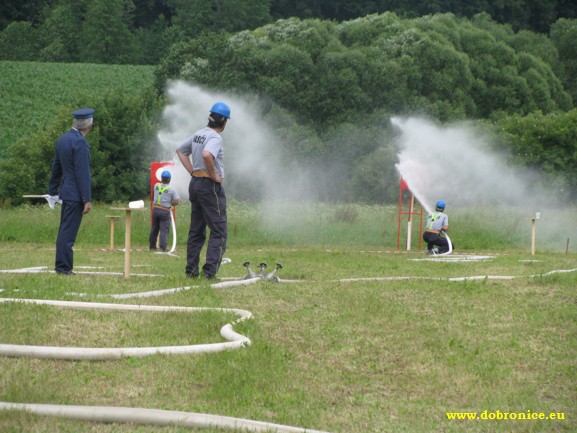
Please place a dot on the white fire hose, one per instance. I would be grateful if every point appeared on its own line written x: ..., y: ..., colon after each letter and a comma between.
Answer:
x: 173, y: 233
x: 141, y: 416
x: 173, y: 225
x: 235, y: 340
x: 446, y: 253
x: 157, y: 417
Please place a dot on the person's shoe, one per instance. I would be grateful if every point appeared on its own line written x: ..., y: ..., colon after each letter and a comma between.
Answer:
x: 191, y: 275
x: 152, y: 249
x: 435, y: 251
x: 212, y: 278
x: 65, y: 272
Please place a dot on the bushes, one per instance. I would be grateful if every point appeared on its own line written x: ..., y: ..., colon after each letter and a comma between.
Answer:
x: 546, y: 143
x: 122, y: 145
x: 339, y: 81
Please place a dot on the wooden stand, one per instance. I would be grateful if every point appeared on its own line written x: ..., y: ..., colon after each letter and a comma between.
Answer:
x: 112, y: 218
x: 127, y: 238
x: 533, y: 232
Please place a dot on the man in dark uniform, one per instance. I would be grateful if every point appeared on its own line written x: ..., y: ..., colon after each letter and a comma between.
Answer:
x: 206, y: 193
x: 71, y: 181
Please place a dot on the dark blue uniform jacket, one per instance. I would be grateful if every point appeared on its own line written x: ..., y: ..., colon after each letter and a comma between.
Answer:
x: 71, y: 168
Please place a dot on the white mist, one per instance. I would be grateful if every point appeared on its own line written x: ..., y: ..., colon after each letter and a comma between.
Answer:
x: 455, y: 164
x: 253, y: 161
x: 458, y: 165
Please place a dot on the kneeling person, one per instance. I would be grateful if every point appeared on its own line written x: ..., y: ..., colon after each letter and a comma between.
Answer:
x: 437, y: 223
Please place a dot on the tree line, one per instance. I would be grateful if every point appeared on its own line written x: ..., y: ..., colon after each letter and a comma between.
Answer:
x: 140, y: 31
x: 329, y: 88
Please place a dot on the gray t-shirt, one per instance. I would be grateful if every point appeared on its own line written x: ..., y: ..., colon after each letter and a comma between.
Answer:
x: 436, y: 221
x: 204, y: 139
x: 167, y: 195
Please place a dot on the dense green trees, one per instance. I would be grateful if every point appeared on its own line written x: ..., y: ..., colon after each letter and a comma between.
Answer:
x: 546, y: 144
x: 564, y: 38
x: 442, y: 66
x: 140, y: 31
x: 19, y: 41
x: 196, y: 17
x: 327, y: 87
x: 536, y: 15
x: 118, y: 31
x: 340, y: 80
x: 122, y: 145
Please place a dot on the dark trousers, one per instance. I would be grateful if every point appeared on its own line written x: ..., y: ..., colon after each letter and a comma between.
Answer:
x: 70, y: 219
x: 208, y: 208
x: 160, y: 224
x: 436, y: 240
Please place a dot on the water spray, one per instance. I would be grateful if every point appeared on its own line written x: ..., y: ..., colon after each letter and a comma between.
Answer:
x: 467, y: 166
x: 418, y: 171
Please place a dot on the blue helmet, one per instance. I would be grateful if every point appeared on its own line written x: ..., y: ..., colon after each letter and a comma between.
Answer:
x: 222, y: 109
x: 166, y: 174
x: 440, y: 205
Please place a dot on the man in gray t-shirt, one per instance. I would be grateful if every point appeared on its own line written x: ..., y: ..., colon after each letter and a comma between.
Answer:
x: 437, y: 223
x: 202, y: 156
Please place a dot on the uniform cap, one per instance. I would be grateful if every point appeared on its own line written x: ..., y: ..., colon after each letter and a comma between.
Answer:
x: 166, y: 174
x: 83, y: 113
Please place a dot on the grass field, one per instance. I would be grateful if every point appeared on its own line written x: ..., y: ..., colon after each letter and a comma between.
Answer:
x: 371, y: 339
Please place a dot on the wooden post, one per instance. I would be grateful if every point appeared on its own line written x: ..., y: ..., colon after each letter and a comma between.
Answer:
x: 533, y: 232
x: 127, y: 243
x: 112, y: 218
x: 127, y: 238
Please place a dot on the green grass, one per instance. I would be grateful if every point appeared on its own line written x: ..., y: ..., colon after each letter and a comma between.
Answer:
x: 359, y: 356
x: 285, y: 225
x: 33, y: 94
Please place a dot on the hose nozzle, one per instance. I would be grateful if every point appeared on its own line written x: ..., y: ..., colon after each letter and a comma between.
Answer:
x: 271, y: 276
x: 262, y: 266
x: 251, y: 274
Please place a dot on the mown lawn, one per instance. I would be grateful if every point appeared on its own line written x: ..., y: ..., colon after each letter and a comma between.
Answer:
x: 365, y: 338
